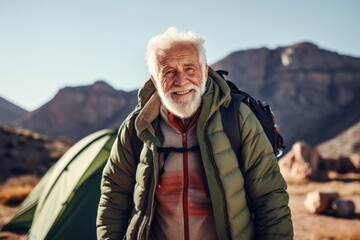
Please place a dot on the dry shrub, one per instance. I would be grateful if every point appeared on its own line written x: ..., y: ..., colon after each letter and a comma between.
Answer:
x: 21, y: 181
x: 16, y: 189
x: 12, y: 196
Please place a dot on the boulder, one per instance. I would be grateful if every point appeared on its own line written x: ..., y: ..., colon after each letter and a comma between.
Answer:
x: 355, y: 160
x: 343, y: 208
x: 320, y: 201
x: 302, y: 163
x: 343, y: 164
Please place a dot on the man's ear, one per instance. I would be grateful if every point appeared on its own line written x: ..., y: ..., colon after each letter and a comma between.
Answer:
x: 206, y: 71
x: 153, y: 80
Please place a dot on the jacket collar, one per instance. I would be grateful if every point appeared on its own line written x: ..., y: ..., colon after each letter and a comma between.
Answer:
x: 148, y: 113
x: 178, y: 124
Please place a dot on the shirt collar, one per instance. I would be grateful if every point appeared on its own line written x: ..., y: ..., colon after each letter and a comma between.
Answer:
x: 176, y: 121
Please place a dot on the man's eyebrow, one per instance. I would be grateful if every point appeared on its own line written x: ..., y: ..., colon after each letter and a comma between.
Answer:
x: 189, y: 65
x: 165, y: 68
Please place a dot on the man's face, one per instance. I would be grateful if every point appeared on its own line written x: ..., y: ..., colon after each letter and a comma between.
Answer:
x: 180, y: 81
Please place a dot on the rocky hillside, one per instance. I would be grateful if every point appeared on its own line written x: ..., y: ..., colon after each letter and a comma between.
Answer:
x: 10, y: 112
x: 313, y: 92
x: 76, y: 112
x: 337, y: 158
x: 346, y: 143
x: 24, y: 152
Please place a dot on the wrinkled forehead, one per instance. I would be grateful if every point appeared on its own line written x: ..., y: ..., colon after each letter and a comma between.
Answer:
x: 177, y: 47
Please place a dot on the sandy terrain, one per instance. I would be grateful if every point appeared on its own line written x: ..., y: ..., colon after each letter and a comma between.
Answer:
x: 307, y: 226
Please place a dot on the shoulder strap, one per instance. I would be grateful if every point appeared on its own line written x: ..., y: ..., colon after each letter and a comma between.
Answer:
x: 168, y: 150
x: 230, y: 120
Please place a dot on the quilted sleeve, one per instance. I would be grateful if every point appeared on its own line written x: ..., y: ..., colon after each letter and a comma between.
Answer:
x: 265, y: 186
x: 117, y: 186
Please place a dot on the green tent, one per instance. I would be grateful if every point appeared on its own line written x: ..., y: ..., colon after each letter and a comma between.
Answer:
x: 63, y: 205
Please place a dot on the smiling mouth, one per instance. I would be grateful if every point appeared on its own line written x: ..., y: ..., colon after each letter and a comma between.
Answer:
x: 182, y: 92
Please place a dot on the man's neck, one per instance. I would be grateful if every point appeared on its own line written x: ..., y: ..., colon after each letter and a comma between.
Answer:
x: 183, y: 123
x: 186, y: 121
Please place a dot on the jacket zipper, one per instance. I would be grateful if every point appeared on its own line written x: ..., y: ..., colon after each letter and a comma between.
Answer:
x: 220, y: 185
x: 184, y: 134
x: 186, y: 186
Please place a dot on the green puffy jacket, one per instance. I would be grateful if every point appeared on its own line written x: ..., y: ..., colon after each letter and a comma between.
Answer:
x: 130, y: 177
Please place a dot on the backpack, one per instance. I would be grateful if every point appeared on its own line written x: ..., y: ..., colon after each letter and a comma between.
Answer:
x: 260, y: 109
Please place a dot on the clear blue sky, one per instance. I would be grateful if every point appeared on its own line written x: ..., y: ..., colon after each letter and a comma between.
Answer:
x: 46, y: 44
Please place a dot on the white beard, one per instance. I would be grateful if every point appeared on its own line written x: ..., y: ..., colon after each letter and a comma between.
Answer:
x: 187, y: 106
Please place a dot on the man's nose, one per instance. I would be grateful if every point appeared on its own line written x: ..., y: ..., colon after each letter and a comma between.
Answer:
x: 180, y: 79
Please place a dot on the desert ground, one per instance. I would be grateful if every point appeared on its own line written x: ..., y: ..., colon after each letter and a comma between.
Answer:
x: 307, y: 226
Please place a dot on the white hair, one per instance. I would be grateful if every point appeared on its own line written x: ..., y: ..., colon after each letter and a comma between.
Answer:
x: 165, y: 40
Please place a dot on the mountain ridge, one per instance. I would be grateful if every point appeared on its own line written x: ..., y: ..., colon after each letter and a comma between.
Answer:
x: 311, y: 91
x: 75, y: 112
x: 308, y: 87
x: 10, y: 111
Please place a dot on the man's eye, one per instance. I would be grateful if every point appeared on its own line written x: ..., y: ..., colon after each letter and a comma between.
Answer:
x: 189, y: 70
x: 170, y: 73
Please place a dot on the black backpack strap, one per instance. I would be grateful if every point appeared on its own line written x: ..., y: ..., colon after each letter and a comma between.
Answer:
x: 168, y: 150
x: 230, y: 121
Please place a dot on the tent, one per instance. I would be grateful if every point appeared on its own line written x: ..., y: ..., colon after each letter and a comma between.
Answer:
x: 63, y: 205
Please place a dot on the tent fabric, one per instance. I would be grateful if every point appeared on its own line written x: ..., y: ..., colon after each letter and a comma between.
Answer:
x: 66, y: 203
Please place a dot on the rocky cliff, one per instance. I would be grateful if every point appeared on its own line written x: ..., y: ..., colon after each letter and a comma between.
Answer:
x: 313, y: 92
x: 76, y: 112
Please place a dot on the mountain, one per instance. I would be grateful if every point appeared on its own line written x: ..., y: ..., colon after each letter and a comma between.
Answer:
x: 344, y: 144
x: 23, y: 152
x: 75, y: 112
x: 10, y: 112
x: 314, y: 93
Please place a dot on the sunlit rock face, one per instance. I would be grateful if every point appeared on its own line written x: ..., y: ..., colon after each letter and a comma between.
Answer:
x: 313, y: 92
x: 76, y: 112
